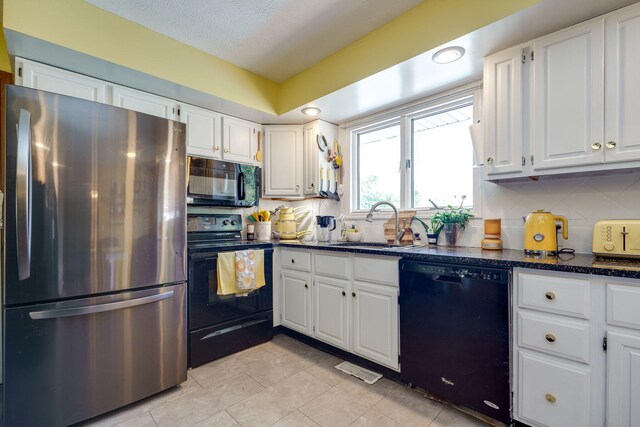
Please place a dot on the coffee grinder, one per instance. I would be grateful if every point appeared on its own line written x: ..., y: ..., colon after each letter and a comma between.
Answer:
x: 492, y: 240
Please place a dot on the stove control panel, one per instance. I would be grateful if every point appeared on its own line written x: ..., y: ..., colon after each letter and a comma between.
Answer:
x: 199, y: 223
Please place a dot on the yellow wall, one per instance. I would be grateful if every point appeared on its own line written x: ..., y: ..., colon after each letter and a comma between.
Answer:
x: 82, y: 27
x: 5, y: 64
x: 79, y: 26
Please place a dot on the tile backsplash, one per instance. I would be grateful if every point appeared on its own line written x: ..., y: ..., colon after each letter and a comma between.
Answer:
x: 583, y: 201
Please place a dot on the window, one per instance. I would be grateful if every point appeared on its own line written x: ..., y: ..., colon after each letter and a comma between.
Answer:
x: 420, y: 159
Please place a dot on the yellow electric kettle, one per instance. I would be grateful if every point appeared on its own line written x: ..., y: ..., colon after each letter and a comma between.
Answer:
x: 540, y: 236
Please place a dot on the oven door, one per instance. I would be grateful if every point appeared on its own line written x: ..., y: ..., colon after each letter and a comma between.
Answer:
x: 207, y: 308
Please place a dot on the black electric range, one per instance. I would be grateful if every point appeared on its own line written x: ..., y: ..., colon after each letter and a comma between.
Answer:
x: 220, y: 325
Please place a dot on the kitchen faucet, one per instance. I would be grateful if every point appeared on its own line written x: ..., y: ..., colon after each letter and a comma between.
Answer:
x: 399, y: 233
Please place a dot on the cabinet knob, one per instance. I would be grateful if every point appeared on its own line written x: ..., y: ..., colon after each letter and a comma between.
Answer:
x: 550, y: 337
x: 353, y: 294
x: 611, y: 144
x: 550, y: 296
x: 550, y: 398
x: 596, y: 146
x: 344, y: 293
x: 490, y: 160
x: 312, y: 185
x: 293, y: 261
x: 297, y: 187
x: 306, y: 286
x: 226, y: 150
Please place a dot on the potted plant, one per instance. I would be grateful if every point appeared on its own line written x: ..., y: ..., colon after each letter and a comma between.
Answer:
x: 432, y: 229
x: 453, y: 220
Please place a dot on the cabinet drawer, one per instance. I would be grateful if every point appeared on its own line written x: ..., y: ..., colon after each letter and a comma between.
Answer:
x: 331, y: 265
x: 623, y: 306
x: 561, y: 295
x: 553, y: 393
x: 296, y: 260
x: 381, y: 270
x: 564, y: 338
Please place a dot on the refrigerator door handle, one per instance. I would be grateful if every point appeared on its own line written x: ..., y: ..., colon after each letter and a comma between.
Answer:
x: 23, y: 193
x: 92, y: 309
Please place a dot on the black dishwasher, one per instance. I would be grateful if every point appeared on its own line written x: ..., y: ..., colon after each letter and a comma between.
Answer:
x: 454, y: 334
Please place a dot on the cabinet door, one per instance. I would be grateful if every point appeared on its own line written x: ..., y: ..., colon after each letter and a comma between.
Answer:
x: 51, y: 79
x: 502, y: 122
x: 203, y: 131
x: 310, y: 183
x: 375, y: 323
x: 331, y: 311
x: 568, y: 97
x: 239, y: 140
x: 296, y: 301
x: 623, y: 379
x: 283, y: 161
x: 144, y: 102
x: 622, y: 86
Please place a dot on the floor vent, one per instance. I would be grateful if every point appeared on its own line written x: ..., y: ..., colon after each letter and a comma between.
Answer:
x: 365, y: 375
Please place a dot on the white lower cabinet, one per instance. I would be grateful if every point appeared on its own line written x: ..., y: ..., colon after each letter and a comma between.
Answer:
x: 375, y: 322
x: 553, y: 393
x: 296, y: 301
x: 331, y: 311
x: 623, y: 379
x: 577, y: 350
x: 360, y: 316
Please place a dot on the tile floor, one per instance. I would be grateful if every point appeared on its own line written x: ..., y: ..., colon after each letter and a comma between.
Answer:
x: 283, y: 383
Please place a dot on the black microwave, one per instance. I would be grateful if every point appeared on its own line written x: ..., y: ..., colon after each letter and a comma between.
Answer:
x: 217, y: 183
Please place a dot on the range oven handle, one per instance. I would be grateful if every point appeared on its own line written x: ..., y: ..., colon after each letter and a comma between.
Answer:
x: 242, y: 194
x: 23, y: 195
x: 92, y: 309
x: 233, y: 328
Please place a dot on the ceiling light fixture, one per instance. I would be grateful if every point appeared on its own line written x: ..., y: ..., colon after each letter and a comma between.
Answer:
x: 448, y: 54
x: 311, y: 111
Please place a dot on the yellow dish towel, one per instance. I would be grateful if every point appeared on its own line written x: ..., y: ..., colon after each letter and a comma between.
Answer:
x: 240, y: 272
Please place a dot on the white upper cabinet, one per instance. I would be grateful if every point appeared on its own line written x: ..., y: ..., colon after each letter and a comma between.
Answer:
x: 239, y: 140
x: 503, y: 110
x: 144, y: 102
x: 622, y: 86
x: 567, y: 97
x: 51, y: 79
x: 283, y: 160
x: 204, y: 136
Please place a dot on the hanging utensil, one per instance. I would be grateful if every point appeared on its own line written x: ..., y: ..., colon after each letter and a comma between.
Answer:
x: 322, y: 142
x: 336, y: 196
x: 322, y: 192
x: 335, y: 154
x: 338, y: 155
x: 259, y: 152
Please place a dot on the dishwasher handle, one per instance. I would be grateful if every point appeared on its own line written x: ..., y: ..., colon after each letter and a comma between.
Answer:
x: 449, y: 279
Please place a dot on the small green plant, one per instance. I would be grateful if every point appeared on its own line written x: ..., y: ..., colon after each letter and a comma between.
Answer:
x: 453, y: 215
x: 433, y: 228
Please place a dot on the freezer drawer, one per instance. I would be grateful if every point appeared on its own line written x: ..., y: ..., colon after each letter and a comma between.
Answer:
x: 69, y: 361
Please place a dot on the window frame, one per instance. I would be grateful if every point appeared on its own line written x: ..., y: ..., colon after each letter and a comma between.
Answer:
x: 404, y: 116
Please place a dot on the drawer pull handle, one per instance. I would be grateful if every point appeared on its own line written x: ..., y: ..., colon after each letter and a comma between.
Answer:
x: 550, y: 397
x: 550, y: 296
x: 550, y: 337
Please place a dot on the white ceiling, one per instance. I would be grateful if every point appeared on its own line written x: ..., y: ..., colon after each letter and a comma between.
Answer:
x: 273, y: 38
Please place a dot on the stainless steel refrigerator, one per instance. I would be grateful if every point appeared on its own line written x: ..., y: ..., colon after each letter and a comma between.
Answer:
x: 94, y: 295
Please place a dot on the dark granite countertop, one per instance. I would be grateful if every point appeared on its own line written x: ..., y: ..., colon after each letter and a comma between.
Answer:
x: 578, y: 263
